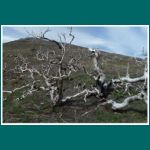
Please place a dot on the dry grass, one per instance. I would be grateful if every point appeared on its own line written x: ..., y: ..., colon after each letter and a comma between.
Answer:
x: 36, y: 108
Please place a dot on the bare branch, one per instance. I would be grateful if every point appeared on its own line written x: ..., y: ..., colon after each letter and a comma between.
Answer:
x: 132, y: 80
x: 141, y: 96
x: 85, y: 93
x: 70, y: 34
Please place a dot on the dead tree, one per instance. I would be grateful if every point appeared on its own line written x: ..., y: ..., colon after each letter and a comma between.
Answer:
x: 42, y: 78
x: 127, y: 82
x: 53, y: 84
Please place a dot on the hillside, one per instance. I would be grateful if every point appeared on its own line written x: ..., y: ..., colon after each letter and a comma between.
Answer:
x: 36, y: 109
x: 28, y: 47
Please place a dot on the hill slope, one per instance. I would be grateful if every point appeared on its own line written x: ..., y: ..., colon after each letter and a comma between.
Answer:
x: 111, y: 63
x: 35, y: 109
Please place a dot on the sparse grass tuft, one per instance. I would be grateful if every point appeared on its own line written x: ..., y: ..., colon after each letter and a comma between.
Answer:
x: 83, y: 78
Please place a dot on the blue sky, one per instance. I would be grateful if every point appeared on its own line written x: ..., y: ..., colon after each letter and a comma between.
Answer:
x: 127, y: 40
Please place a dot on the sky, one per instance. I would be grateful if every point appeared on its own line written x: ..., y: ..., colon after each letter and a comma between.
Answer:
x: 126, y: 40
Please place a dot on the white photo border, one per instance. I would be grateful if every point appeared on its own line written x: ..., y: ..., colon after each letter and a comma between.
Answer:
x: 147, y: 26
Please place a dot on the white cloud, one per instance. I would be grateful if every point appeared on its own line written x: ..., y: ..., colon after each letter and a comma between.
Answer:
x: 87, y: 40
x: 7, y: 38
x: 82, y: 38
x: 125, y: 40
x: 144, y: 29
x: 122, y: 40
